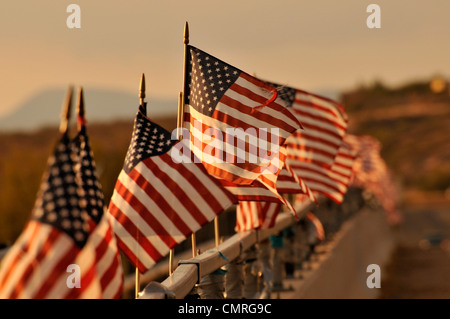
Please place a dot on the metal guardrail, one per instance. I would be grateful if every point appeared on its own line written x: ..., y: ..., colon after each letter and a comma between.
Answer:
x: 189, y: 272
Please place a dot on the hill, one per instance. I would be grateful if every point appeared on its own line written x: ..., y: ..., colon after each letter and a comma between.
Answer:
x: 412, y: 123
x: 102, y: 105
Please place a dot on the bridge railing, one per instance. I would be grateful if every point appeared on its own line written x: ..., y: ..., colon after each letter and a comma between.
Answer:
x: 196, y: 273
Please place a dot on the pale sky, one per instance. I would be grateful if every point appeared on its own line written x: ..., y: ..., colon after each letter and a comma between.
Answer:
x: 312, y: 45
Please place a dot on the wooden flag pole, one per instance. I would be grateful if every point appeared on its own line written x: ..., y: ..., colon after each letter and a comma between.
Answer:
x: 216, y: 231
x: 142, y: 92
x: 137, y: 283
x: 80, y: 108
x: 182, y: 96
x: 181, y: 108
x: 65, y: 113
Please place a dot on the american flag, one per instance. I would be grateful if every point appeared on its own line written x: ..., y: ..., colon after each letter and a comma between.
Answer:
x: 324, y: 122
x: 368, y: 161
x: 333, y: 181
x: 255, y: 191
x: 57, y: 237
x: 371, y: 173
x: 262, y: 214
x: 108, y: 264
x: 157, y: 202
x: 315, y: 230
x: 288, y: 182
x: 256, y: 215
x: 270, y: 180
x: 220, y: 98
x: 316, y: 154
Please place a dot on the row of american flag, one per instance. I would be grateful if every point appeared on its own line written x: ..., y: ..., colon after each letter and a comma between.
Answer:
x: 158, y: 202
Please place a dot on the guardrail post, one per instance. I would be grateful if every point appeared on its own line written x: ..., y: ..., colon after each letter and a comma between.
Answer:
x: 250, y: 273
x: 267, y: 274
x: 289, y: 252
x: 298, y: 251
x: 277, y: 244
x: 212, y: 286
x: 234, y: 281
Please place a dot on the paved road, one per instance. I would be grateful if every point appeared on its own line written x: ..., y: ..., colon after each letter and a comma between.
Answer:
x: 420, y: 266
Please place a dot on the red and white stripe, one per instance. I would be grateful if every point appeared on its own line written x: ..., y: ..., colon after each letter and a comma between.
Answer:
x: 288, y: 182
x: 325, y: 124
x: 256, y: 191
x: 108, y: 263
x: 249, y: 104
x: 316, y: 232
x: 313, y: 153
x: 36, y: 266
x: 159, y: 203
x: 331, y: 182
x: 372, y: 173
x: 256, y: 215
x: 368, y: 163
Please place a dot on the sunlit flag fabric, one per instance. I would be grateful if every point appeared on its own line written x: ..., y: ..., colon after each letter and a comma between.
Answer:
x: 256, y: 215
x: 219, y: 98
x: 368, y: 154
x: 333, y: 181
x: 108, y: 264
x: 157, y: 201
x: 324, y: 122
x: 314, y: 152
x: 315, y: 230
x: 255, y: 191
x: 371, y: 173
x: 264, y: 187
x: 56, y: 238
x: 262, y: 215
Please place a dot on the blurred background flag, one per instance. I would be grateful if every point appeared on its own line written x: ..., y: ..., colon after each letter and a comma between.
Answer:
x: 157, y: 202
x: 371, y: 173
x: 262, y: 214
x: 56, y: 236
x: 316, y: 154
x: 220, y: 97
x: 256, y: 215
x: 67, y: 230
x: 108, y: 265
x: 333, y: 181
x: 324, y: 122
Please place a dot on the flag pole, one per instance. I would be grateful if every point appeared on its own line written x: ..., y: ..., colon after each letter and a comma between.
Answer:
x: 216, y: 231
x: 65, y: 113
x: 142, y: 103
x: 183, y: 93
x: 182, y: 98
x: 80, y: 108
x: 142, y: 92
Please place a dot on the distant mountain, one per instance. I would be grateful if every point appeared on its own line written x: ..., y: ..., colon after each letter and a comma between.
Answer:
x: 44, y: 108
